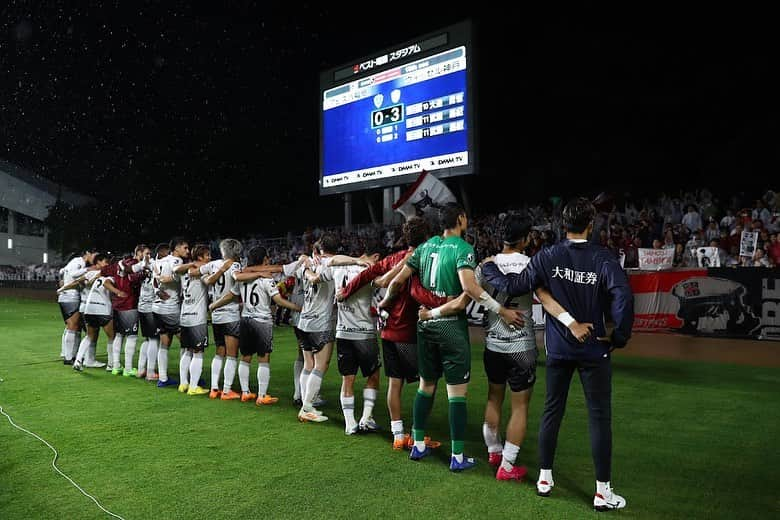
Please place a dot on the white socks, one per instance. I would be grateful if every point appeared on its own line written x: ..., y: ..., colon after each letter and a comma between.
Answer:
x: 230, y: 373
x: 162, y: 363
x: 369, y: 399
x: 83, y: 348
x: 243, y: 376
x: 348, y: 406
x: 196, y: 368
x: 116, y: 351
x: 509, y: 456
x: 70, y: 344
x: 216, y: 369
x: 151, y: 356
x: 304, y: 380
x: 130, y: 351
x: 546, y: 475
x: 492, y: 439
x: 184, y: 368
x: 312, y: 388
x: 142, y: 357
x: 297, y: 369
x: 263, y: 378
x: 397, y: 427
x: 603, y: 489
x: 64, y: 345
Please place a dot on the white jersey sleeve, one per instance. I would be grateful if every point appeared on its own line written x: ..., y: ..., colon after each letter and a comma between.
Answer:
x: 99, y: 298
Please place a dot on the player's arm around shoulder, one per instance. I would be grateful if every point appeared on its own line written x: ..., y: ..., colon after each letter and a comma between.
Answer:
x: 615, y: 282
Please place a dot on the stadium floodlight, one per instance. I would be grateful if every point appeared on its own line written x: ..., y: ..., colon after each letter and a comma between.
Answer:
x: 10, y: 243
x: 386, y: 117
x: 45, y: 258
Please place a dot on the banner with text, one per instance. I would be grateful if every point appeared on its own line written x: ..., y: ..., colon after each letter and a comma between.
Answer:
x: 655, y: 259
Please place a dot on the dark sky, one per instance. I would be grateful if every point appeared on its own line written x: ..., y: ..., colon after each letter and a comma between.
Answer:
x: 205, y: 121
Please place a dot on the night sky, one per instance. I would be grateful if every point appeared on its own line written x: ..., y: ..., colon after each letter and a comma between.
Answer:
x: 205, y: 122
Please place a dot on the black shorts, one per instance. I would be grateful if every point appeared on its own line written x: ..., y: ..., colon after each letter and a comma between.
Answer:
x: 68, y: 309
x: 97, y: 321
x: 167, y: 323
x: 225, y: 329
x: 315, y: 341
x: 516, y: 368
x: 126, y: 322
x: 195, y: 337
x: 354, y: 353
x: 400, y: 360
x: 148, y: 325
x: 298, y: 335
x: 256, y: 337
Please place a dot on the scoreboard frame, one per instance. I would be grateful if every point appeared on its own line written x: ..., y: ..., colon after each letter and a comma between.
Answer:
x: 449, y: 38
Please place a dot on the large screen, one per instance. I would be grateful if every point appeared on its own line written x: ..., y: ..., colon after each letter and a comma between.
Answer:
x: 387, y: 117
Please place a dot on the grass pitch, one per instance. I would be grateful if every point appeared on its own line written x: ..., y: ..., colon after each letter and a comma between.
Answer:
x: 691, y: 440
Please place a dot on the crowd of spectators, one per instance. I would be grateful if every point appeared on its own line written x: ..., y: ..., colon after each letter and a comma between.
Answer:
x: 683, y: 221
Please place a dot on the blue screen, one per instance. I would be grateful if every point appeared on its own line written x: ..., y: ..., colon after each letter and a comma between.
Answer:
x: 350, y: 142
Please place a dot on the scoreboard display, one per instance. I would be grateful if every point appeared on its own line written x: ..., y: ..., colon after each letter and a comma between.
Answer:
x: 387, y: 117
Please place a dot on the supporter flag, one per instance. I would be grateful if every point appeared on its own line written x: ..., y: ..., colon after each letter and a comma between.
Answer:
x: 423, y: 197
x: 707, y: 256
x: 747, y: 244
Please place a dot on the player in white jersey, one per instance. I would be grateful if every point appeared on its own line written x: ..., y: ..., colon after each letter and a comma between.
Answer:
x: 225, y: 321
x: 194, y: 320
x: 356, y: 342
x: 69, y: 305
x: 257, y: 325
x: 147, y: 359
x: 98, y: 312
x: 167, y: 304
x: 510, y: 353
x: 317, y: 323
x: 297, y: 295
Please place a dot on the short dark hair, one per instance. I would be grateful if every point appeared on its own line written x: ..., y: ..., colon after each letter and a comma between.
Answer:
x: 256, y: 255
x: 515, y: 229
x: 99, y: 257
x: 415, y: 231
x: 329, y: 244
x: 162, y: 249
x: 200, y: 250
x: 373, y: 246
x: 176, y: 242
x: 449, y: 213
x: 577, y: 214
x: 139, y: 248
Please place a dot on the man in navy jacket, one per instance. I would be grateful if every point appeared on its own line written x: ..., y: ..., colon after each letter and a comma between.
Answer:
x: 587, y: 280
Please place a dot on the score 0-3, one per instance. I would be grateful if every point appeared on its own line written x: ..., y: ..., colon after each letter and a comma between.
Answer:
x: 387, y: 116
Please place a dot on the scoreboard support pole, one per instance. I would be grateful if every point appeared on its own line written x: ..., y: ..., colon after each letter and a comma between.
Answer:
x: 387, y: 206
x: 347, y: 211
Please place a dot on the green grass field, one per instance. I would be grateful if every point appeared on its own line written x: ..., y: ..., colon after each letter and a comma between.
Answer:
x: 691, y: 440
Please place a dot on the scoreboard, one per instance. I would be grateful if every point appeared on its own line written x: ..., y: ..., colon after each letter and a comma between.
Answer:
x: 387, y: 117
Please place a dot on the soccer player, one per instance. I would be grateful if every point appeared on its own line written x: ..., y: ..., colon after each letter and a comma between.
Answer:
x: 147, y: 358
x: 225, y: 321
x: 510, y: 354
x: 258, y: 292
x: 69, y: 301
x: 167, y: 304
x: 193, y: 320
x: 399, y: 332
x: 445, y: 264
x: 317, y: 325
x: 356, y: 343
x: 97, y: 311
x: 587, y: 279
x: 128, y: 280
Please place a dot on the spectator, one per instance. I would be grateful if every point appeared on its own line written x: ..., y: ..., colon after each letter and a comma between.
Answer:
x: 692, y: 219
x: 728, y: 220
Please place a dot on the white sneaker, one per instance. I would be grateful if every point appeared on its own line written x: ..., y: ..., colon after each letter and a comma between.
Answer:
x: 94, y: 364
x: 351, y: 431
x: 77, y: 366
x: 544, y: 487
x: 608, y: 500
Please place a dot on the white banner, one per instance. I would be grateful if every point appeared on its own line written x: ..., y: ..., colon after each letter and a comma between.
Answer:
x: 747, y: 244
x: 655, y: 259
x: 706, y: 256
x: 427, y: 194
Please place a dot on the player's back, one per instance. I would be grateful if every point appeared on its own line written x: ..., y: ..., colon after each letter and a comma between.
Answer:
x: 257, y: 296
x: 194, y: 305
x: 500, y: 337
x: 318, y: 303
x: 354, y: 314
x: 99, y: 298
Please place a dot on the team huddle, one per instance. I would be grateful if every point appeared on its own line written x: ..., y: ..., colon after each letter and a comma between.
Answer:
x: 414, y: 299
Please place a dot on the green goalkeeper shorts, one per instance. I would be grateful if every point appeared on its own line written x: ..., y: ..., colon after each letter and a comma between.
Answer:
x: 443, y: 348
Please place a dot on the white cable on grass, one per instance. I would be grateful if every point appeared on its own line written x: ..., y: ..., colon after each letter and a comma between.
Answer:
x: 54, y: 464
